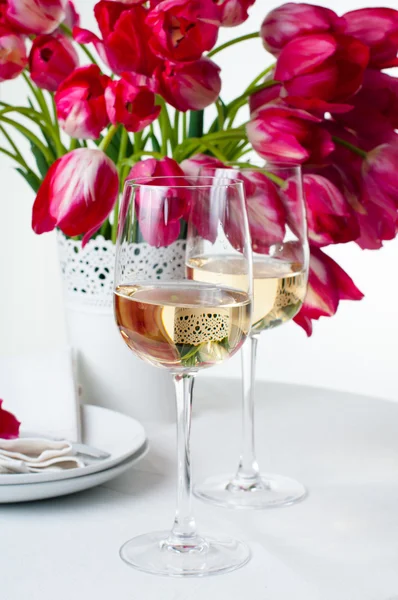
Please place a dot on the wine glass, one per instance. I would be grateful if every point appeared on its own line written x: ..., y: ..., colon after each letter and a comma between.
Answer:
x: 277, y: 220
x: 183, y: 326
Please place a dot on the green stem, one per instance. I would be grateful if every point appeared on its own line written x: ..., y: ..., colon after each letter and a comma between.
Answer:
x: 38, y: 94
x: 184, y: 126
x: 242, y: 38
x: 154, y: 139
x: 87, y: 52
x: 115, y: 221
x: 177, y: 126
x: 57, y: 135
x: 131, y: 160
x: 220, y: 112
x: 137, y: 141
x: 350, y: 146
x: 259, y: 78
x: 73, y: 144
x: 108, y: 138
x: 123, y: 146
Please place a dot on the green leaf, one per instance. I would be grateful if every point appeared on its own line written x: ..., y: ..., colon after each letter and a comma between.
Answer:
x: 155, y: 143
x: 31, y: 178
x: 40, y: 159
x: 30, y: 136
x: 196, y: 124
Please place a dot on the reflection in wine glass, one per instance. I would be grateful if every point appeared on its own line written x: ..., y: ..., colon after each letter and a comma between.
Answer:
x: 276, y: 212
x: 183, y: 326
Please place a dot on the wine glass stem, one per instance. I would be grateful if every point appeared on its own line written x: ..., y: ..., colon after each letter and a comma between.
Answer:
x: 183, y: 533
x: 248, y: 468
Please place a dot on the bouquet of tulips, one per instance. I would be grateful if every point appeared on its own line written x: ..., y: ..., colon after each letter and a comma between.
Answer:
x: 137, y: 109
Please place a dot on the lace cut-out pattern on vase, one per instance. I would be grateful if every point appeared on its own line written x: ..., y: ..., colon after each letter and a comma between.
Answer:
x: 88, y: 272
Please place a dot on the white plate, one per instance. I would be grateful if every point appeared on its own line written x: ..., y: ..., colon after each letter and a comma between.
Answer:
x: 63, y: 487
x: 105, y: 429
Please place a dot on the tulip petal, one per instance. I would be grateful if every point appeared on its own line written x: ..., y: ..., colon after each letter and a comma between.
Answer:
x: 292, y: 20
x: 13, y: 57
x: 327, y: 285
x: 9, y: 425
x: 77, y: 194
x: 302, y: 55
x: 40, y: 16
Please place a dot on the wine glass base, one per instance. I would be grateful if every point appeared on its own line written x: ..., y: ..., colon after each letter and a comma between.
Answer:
x: 269, y: 491
x: 152, y: 553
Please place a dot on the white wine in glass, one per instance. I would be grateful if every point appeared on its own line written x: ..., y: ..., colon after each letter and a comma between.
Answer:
x: 183, y: 326
x: 276, y: 209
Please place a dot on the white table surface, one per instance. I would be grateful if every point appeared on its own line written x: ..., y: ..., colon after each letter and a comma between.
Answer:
x: 341, y: 543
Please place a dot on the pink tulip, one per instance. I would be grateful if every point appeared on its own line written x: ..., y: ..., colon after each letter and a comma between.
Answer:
x: 37, y: 16
x: 4, y: 22
x: 290, y: 21
x: 9, y: 425
x: 125, y: 34
x: 327, y: 285
x: 330, y: 218
x: 377, y: 223
x: 260, y: 99
x: 183, y: 29
x: 80, y: 102
x: 13, y: 57
x: 131, y: 103
x: 374, y: 116
x: 322, y: 70
x: 72, y: 17
x: 52, y: 58
x: 234, y: 12
x: 160, y: 211
x: 265, y: 211
x: 201, y: 164
x: 288, y: 135
x: 378, y: 29
x: 189, y: 86
x: 380, y: 174
x: 77, y: 194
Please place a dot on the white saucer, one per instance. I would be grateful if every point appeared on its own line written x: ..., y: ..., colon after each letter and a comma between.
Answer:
x: 122, y: 436
x: 63, y: 487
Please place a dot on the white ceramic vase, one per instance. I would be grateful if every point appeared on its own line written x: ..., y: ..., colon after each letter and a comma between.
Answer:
x: 108, y: 373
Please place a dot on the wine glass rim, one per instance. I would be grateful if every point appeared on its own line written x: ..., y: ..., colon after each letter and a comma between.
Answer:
x: 173, y: 182
x: 247, y: 166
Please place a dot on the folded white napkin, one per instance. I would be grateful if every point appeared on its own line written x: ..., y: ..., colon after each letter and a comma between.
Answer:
x: 35, y: 455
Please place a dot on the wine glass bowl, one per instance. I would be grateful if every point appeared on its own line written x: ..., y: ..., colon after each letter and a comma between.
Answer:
x: 276, y: 214
x: 183, y: 325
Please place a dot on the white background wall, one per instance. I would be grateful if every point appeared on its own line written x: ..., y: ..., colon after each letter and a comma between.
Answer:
x: 356, y: 350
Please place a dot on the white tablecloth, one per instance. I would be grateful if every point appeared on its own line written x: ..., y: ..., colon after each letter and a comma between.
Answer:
x: 341, y: 543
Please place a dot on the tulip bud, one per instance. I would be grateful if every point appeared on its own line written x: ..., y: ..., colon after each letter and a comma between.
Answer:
x: 52, y: 58
x: 77, y: 194
x: 330, y: 218
x: 130, y: 103
x: 288, y: 135
x: 189, y: 86
x: 378, y: 29
x: 125, y: 34
x: 183, y: 29
x: 13, y: 57
x: 290, y: 21
x: 160, y: 207
x: 234, y: 12
x: 80, y: 102
x: 40, y: 16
